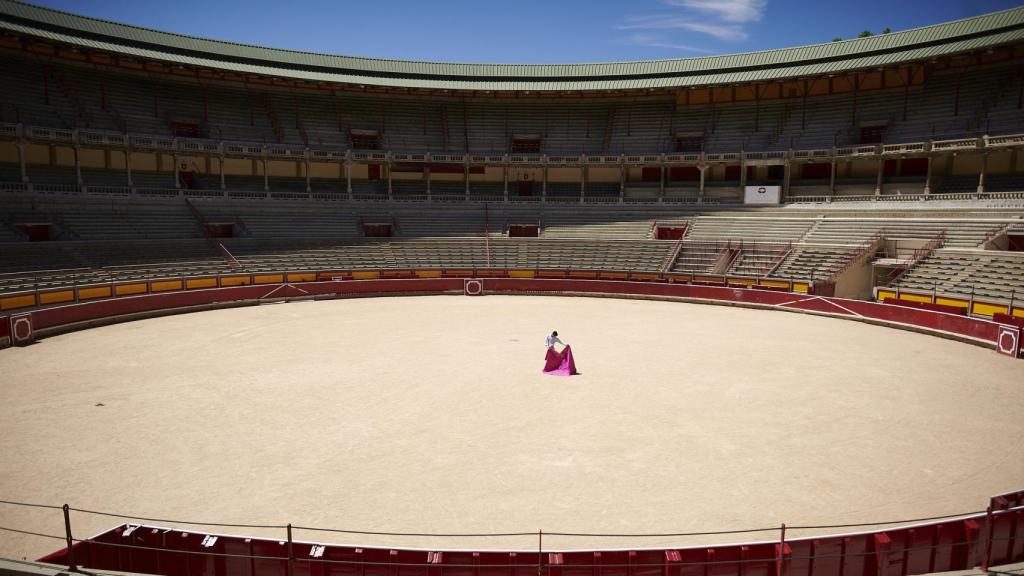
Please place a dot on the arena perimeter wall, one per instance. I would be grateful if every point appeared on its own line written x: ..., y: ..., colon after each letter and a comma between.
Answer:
x: 976, y: 539
x: 23, y: 327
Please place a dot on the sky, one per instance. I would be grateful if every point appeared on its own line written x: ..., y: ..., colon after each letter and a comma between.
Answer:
x: 529, y: 31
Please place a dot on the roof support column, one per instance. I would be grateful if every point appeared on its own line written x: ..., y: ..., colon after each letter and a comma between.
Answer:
x: 583, y: 184
x: 21, y: 161
x: 504, y: 178
x: 700, y: 191
x: 928, y: 176
x: 128, y: 166
x: 787, y: 176
x: 878, y: 179
x: 348, y: 178
x: 622, y: 183
x: 981, y: 176
x: 387, y: 166
x: 308, y: 187
x: 544, y: 184
x: 78, y: 166
x: 661, y: 184
x: 832, y: 174
x: 743, y: 173
x: 174, y: 161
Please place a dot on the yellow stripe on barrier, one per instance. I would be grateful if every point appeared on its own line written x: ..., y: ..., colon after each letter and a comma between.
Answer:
x: 235, y: 280
x: 56, y: 297
x: 126, y: 289
x: 883, y: 294
x: 916, y: 298
x: 1018, y: 312
x: 268, y: 278
x: 12, y: 302
x: 775, y: 284
x: 741, y: 281
x: 165, y: 285
x: 365, y: 275
x: 801, y: 287
x: 952, y: 302
x: 301, y: 277
x: 520, y: 274
x: 97, y: 292
x: 428, y: 273
x: 988, y: 309
x: 193, y: 283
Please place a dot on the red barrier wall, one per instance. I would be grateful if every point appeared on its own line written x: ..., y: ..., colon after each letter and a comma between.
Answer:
x: 952, y: 544
x: 982, y: 331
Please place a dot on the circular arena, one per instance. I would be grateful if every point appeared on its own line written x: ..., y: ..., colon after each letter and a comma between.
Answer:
x: 430, y: 413
x: 277, y: 313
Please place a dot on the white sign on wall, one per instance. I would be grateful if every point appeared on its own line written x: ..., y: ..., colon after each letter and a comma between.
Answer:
x: 761, y: 195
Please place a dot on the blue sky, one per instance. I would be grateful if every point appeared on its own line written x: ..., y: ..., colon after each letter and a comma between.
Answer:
x: 529, y: 31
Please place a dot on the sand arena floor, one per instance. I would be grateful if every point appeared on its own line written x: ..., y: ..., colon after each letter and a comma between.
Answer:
x: 429, y: 414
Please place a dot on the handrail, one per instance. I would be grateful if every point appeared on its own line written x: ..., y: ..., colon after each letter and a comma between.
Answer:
x: 919, y: 254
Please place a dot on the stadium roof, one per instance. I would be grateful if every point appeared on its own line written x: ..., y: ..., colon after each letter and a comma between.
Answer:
x: 920, y: 44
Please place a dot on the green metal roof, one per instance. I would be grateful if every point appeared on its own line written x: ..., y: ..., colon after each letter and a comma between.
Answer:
x: 989, y: 30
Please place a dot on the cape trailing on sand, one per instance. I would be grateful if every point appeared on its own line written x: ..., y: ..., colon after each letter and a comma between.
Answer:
x: 560, y: 363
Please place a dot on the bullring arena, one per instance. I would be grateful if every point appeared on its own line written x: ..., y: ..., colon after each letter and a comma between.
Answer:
x: 275, y: 313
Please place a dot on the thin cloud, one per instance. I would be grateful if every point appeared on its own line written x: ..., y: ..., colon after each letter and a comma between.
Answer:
x: 727, y: 10
x: 727, y: 32
x: 721, y: 19
x: 657, y: 41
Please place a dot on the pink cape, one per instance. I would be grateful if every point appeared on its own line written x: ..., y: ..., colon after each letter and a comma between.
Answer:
x: 560, y: 363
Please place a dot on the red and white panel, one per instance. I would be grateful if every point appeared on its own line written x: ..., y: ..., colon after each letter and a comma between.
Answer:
x: 473, y: 288
x: 21, y: 330
x: 1008, y: 341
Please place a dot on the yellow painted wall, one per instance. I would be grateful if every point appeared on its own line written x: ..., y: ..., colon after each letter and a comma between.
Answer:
x: 520, y: 273
x: 235, y: 280
x: 37, y: 154
x: 916, y: 298
x: 12, y: 302
x: 301, y: 276
x: 165, y: 285
x: 365, y: 275
x: 57, y: 297
x: 327, y: 170
x: 268, y: 278
x: 126, y: 289
x: 194, y: 283
x: 96, y: 292
x: 8, y: 152
x: 237, y: 167
x: 144, y: 161
x: 283, y: 168
x: 988, y: 309
x: 967, y: 165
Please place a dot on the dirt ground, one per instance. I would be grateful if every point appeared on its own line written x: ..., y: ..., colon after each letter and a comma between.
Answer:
x: 430, y: 414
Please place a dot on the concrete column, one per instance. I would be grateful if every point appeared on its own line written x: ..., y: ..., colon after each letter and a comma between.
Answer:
x: 928, y: 177
x: 878, y: 181
x: 21, y: 162
x: 832, y: 177
x: 388, y: 168
x: 308, y: 187
x: 981, y: 176
x: 266, y: 176
x: 78, y: 166
x: 128, y: 167
x: 583, y: 184
x: 174, y: 160
x: 743, y: 176
x: 700, y: 191
x: 787, y: 175
x: 223, y: 186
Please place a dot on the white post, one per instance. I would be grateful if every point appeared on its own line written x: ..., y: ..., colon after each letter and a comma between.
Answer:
x: 928, y: 177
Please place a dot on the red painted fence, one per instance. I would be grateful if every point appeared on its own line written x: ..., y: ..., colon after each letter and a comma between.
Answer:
x: 986, y: 539
x: 45, y: 320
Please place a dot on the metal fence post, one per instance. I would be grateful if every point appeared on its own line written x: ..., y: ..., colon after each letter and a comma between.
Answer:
x: 291, y: 556
x: 540, y: 548
x: 70, y: 540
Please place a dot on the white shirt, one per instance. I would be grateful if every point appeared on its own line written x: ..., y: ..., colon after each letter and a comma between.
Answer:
x: 551, y: 340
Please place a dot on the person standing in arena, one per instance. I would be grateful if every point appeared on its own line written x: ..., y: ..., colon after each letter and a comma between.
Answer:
x: 558, y: 363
